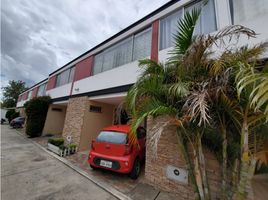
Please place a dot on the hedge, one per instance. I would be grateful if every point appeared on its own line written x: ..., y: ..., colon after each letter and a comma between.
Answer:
x: 36, y: 112
x: 11, y: 114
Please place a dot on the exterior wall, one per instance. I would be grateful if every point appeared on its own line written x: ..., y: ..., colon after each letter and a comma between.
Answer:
x: 94, y: 122
x: 55, y: 120
x: 34, y: 93
x: 75, y: 118
x: 168, y: 153
x: 51, y: 82
x: 83, y: 69
x: 60, y: 91
x: 123, y: 75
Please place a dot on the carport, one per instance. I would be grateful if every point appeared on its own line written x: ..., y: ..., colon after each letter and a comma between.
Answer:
x: 55, y: 118
x: 102, y: 112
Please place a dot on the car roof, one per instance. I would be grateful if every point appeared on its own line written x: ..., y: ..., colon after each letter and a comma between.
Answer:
x: 118, y: 128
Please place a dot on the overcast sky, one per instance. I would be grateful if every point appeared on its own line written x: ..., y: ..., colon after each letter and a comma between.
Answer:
x: 39, y: 36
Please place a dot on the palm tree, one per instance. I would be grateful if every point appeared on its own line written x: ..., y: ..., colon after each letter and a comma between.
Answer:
x: 193, y: 88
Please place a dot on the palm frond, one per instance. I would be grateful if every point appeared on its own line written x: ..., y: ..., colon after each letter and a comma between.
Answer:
x: 179, y: 89
x: 248, y: 77
x: 197, y: 107
x: 183, y: 37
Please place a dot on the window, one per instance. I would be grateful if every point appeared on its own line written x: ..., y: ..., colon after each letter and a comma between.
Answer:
x: 96, y: 109
x: 130, y: 49
x: 244, y: 11
x: 206, y: 22
x: 42, y: 90
x: 142, y: 44
x: 112, y: 137
x: 168, y: 27
x: 30, y: 94
x: 65, y: 77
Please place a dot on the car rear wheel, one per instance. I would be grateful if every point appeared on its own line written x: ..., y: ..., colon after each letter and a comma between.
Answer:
x: 134, y: 174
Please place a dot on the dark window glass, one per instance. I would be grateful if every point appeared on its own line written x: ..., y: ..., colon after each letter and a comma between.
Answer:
x: 112, y: 137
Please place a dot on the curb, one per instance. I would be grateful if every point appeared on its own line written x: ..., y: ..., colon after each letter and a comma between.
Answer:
x: 104, y: 186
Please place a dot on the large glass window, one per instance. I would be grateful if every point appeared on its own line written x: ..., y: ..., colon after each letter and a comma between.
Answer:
x: 142, y: 44
x: 30, y: 94
x: 243, y: 12
x: 42, y: 90
x: 169, y: 25
x: 130, y: 49
x: 207, y: 20
x: 65, y: 77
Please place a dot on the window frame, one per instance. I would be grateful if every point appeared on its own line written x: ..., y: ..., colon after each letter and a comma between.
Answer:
x: 115, y: 45
x: 68, y: 79
x: 188, y: 4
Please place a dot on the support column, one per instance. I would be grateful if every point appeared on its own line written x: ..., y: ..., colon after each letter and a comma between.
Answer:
x: 154, y: 47
x: 75, y: 118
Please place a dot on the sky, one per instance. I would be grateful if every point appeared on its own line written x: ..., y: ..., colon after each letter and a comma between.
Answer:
x: 39, y: 36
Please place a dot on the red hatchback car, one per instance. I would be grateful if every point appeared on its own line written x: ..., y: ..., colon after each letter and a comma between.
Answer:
x: 112, y: 151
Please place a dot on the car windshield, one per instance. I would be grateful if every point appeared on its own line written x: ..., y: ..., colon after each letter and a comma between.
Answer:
x: 112, y: 137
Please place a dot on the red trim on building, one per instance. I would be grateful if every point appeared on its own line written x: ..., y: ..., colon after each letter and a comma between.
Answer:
x: 26, y: 96
x: 155, y: 33
x: 83, y: 68
x: 51, y: 82
x: 34, y: 92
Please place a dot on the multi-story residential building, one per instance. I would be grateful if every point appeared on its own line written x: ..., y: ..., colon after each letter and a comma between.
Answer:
x: 86, y: 91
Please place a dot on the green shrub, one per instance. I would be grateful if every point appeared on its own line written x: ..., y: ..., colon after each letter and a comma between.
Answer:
x: 72, y: 145
x: 56, y: 141
x: 15, y: 115
x: 36, y: 111
x: 9, y: 114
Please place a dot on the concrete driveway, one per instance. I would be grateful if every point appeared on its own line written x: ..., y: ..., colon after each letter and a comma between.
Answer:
x: 27, y: 172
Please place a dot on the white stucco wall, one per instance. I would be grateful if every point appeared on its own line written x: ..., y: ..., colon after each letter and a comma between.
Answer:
x: 61, y: 91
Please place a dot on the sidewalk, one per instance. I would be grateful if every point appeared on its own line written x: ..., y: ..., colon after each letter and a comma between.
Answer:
x: 119, y: 185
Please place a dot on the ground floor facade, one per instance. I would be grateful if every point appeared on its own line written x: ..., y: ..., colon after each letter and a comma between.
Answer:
x: 80, y: 119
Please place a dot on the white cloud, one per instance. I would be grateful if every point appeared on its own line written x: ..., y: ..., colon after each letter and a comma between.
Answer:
x: 40, y: 36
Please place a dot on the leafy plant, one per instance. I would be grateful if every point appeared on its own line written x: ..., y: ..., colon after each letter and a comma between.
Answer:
x: 9, y: 114
x: 36, y: 111
x: 56, y: 141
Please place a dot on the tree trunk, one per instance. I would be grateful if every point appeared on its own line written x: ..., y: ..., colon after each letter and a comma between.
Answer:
x: 224, y: 163
x: 203, y: 168
x: 198, y: 175
x: 185, y: 153
x: 245, y: 163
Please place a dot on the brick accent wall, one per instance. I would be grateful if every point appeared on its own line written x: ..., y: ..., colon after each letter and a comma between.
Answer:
x: 168, y: 153
x: 75, y: 118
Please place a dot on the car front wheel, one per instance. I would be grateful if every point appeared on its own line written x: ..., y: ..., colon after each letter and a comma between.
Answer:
x: 134, y: 174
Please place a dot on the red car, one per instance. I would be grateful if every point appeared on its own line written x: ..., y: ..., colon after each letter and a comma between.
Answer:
x: 112, y: 151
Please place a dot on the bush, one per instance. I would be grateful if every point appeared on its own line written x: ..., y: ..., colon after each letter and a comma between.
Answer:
x: 15, y: 115
x: 9, y: 114
x: 36, y: 111
x: 56, y: 141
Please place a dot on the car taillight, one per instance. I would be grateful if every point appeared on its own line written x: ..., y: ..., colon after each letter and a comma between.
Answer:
x: 92, y: 145
x: 128, y: 149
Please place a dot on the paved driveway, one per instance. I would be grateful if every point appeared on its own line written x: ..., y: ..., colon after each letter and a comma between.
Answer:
x: 27, y: 172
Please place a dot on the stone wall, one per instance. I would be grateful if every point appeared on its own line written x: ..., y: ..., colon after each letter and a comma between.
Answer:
x: 75, y: 118
x: 168, y: 153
